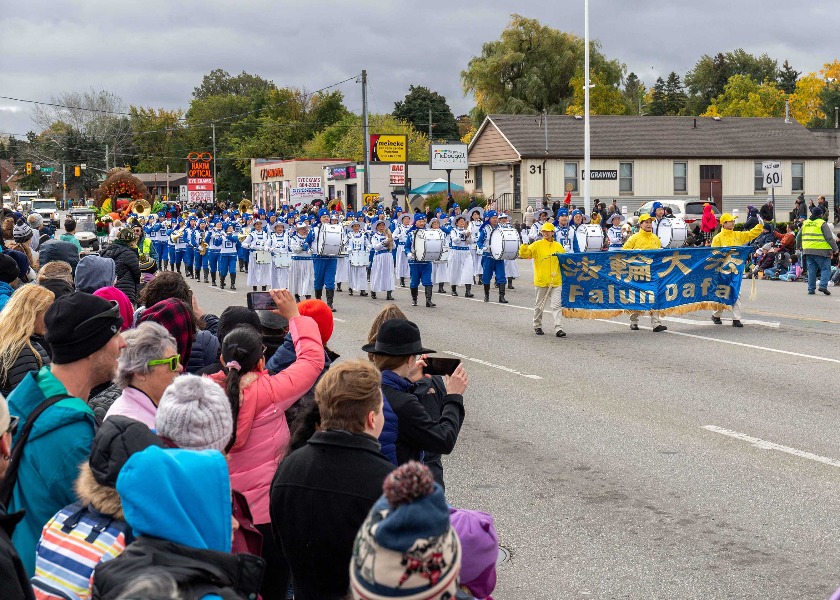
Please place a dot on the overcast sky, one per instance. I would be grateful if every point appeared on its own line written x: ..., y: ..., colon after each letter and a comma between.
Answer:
x: 154, y: 52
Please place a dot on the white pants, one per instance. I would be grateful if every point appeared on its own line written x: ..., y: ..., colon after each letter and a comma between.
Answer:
x: 654, y: 318
x: 736, y: 310
x: 554, y: 298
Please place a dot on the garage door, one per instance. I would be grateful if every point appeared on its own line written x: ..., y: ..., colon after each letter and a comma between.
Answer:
x: 501, y: 183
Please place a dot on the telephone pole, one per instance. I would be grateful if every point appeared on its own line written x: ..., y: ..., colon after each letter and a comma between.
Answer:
x: 213, y: 126
x: 365, y: 135
x: 430, y: 125
x: 106, y: 159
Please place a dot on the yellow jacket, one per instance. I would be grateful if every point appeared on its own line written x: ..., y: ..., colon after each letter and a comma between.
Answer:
x: 546, y: 266
x: 643, y: 240
x: 736, y: 238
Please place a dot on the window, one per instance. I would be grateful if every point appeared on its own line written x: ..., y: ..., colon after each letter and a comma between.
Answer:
x: 758, y: 177
x: 478, y: 182
x: 680, y: 178
x: 797, y: 176
x: 625, y: 178
x: 570, y: 178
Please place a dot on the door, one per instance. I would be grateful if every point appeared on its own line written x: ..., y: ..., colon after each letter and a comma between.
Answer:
x: 711, y: 184
x: 351, y: 195
x: 501, y: 188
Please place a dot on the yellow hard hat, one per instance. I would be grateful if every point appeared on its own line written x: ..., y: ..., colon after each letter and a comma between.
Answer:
x: 725, y: 217
x: 547, y: 227
x: 644, y: 217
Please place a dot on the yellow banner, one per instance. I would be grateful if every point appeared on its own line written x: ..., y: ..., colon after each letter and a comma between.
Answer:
x: 388, y: 148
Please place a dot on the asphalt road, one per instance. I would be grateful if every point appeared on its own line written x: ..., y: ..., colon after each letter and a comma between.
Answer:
x: 701, y: 462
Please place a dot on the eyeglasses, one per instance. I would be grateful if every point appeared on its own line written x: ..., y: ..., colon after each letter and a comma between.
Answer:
x: 111, y: 313
x: 174, y: 362
x: 13, y: 425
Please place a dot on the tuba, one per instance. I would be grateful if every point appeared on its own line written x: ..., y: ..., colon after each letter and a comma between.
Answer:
x: 141, y: 208
x: 246, y: 206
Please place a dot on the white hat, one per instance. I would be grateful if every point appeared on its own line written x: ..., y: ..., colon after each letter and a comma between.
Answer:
x: 195, y: 413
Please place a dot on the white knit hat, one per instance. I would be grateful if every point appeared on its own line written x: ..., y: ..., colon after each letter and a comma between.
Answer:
x: 4, y: 415
x: 194, y: 413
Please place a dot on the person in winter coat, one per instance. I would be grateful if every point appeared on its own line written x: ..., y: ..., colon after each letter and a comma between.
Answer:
x: 127, y: 263
x: 147, y: 365
x: 92, y: 530
x: 323, y: 491
x: 708, y: 224
x: 231, y: 318
x: 285, y: 355
x: 15, y: 580
x: 395, y: 355
x: 94, y: 272
x: 183, y: 526
x: 258, y: 401
x: 9, y: 279
x: 126, y: 310
x: 58, y: 250
x: 21, y: 321
x: 752, y: 217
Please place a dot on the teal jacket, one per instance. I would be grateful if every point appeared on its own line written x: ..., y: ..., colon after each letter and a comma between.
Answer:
x: 6, y: 292
x: 69, y: 237
x: 60, y: 441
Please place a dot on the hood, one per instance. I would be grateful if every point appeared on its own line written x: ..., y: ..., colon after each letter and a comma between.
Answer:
x: 707, y: 208
x: 118, y: 296
x: 94, y: 272
x: 163, y: 498
x: 101, y: 497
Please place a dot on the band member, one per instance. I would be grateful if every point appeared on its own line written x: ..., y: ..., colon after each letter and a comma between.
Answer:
x: 511, y: 268
x: 440, y: 267
x: 357, y: 246
x: 614, y: 234
x: 302, y: 273
x: 189, y: 250
x: 228, y: 256
x: 216, y: 240
x: 400, y: 234
x: 490, y: 266
x: 420, y: 270
x: 382, y: 268
x: 577, y: 220
x: 325, y: 266
x: 201, y: 258
x: 259, y: 270
x: 547, y: 277
x: 534, y: 233
x: 657, y: 211
x: 460, y: 259
x: 178, y: 250
x: 645, y: 239
x: 475, y: 225
x: 278, y: 245
x: 562, y: 231
x: 729, y: 237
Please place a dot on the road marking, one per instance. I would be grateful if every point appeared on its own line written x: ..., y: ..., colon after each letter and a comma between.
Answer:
x: 489, y: 364
x: 765, y: 445
x: 765, y: 313
x: 339, y: 320
x: 706, y: 323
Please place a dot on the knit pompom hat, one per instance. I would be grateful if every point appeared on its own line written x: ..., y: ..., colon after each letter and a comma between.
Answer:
x: 195, y: 413
x: 22, y: 232
x: 322, y: 315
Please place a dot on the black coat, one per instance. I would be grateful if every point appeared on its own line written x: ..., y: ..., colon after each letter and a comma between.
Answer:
x: 25, y: 362
x: 197, y: 572
x: 320, y: 496
x: 127, y: 266
x: 418, y: 431
x: 15, y: 583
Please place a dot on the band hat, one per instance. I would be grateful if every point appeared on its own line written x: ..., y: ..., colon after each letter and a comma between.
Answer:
x: 547, y: 227
x: 725, y: 217
x: 561, y: 212
x: 397, y: 337
x: 621, y: 218
x: 581, y: 213
x: 645, y: 217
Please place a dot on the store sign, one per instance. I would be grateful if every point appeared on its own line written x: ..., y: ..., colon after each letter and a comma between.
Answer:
x: 398, y: 174
x: 388, y: 148
x: 309, y: 182
x: 305, y: 194
x: 199, y: 177
x: 183, y: 193
x: 370, y: 199
x: 448, y: 157
x: 274, y: 173
x: 602, y: 175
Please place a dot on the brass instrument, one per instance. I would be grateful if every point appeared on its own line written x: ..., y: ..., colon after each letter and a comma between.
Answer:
x: 175, y: 236
x: 246, y: 206
x: 202, y: 247
x: 244, y: 233
x: 331, y: 206
x: 141, y: 208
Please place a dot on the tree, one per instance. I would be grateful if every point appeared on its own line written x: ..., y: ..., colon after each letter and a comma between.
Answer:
x: 656, y: 100
x: 415, y: 109
x: 344, y: 139
x: 675, y: 96
x: 604, y: 99
x: 530, y: 69
x: 744, y: 97
x: 806, y: 103
x: 158, y: 139
x: 710, y: 75
x: 219, y: 82
x: 634, y: 92
x: 830, y: 94
x: 787, y: 78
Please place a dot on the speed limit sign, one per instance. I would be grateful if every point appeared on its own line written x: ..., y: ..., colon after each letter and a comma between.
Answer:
x: 771, y: 173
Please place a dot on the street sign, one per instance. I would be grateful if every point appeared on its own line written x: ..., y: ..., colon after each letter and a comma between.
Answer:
x: 47, y: 169
x: 771, y: 173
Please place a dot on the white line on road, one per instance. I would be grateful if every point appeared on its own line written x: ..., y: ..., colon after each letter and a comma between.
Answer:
x: 339, y: 320
x: 765, y: 445
x: 489, y: 364
x: 770, y: 324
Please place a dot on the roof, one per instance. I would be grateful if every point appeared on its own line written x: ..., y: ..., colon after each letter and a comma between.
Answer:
x: 659, y: 137
x: 160, y: 177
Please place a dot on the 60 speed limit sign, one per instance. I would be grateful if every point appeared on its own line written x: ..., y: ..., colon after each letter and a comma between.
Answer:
x: 771, y: 173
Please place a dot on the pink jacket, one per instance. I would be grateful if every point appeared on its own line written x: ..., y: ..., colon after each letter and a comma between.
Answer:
x: 262, y: 433
x: 136, y: 405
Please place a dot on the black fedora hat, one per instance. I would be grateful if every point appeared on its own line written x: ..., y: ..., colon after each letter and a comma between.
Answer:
x: 397, y: 337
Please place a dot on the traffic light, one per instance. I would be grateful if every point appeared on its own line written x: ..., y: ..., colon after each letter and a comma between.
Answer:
x: 29, y: 168
x: 77, y: 171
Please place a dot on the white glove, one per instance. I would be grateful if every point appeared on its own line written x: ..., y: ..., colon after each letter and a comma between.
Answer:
x: 411, y: 256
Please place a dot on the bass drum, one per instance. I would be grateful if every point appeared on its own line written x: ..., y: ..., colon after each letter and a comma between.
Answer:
x: 504, y: 244
x: 427, y: 245
x: 330, y: 240
x: 590, y: 238
x: 672, y: 232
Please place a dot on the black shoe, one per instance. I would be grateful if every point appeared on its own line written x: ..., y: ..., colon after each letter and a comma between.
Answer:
x: 373, y: 295
x: 502, y: 294
x: 487, y: 292
x: 338, y: 287
x: 350, y: 290
x: 402, y: 281
x: 233, y: 287
x: 454, y: 291
x: 330, y: 296
x: 539, y: 331
x: 263, y: 287
x: 307, y: 297
x: 716, y: 320
x: 468, y: 293
x: 659, y: 328
x: 297, y: 298
x: 737, y: 323
x: 634, y: 327
x: 510, y: 283
x: 318, y: 293
x: 222, y: 281
x: 389, y: 296
x: 414, y: 294
x: 825, y: 291
x: 363, y: 293
x: 429, y: 289
x: 440, y: 289
x: 560, y: 333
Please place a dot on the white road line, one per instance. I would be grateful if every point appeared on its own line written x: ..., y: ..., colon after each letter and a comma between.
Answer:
x: 339, y: 320
x: 765, y: 445
x: 489, y: 364
x: 708, y: 323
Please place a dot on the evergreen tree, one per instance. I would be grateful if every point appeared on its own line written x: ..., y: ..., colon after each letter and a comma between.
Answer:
x: 675, y: 97
x: 658, y: 105
x: 634, y: 93
x: 787, y: 78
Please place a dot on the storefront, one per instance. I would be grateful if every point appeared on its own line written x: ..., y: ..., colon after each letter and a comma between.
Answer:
x: 273, y: 183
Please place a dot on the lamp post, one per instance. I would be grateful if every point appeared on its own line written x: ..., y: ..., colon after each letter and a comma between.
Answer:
x: 586, y: 145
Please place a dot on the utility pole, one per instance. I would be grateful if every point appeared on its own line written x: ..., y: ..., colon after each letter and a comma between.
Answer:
x: 545, y: 160
x: 63, y: 185
x: 586, y: 170
x: 167, y: 182
x: 365, y: 134
x: 106, y: 159
x: 213, y: 126
x: 430, y: 125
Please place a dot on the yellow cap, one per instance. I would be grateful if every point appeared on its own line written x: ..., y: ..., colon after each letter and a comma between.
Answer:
x: 725, y: 217
x: 547, y: 227
x: 644, y: 217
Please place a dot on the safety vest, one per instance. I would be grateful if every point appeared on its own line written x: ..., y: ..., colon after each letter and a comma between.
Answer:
x: 146, y: 246
x: 812, y: 235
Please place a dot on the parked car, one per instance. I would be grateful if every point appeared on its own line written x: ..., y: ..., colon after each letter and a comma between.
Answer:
x: 688, y: 210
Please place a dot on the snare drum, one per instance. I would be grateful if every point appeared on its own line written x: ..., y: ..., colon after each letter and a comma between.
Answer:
x: 444, y: 255
x: 283, y: 260
x: 359, y: 258
x: 330, y: 240
x: 263, y: 257
x: 504, y: 244
x: 672, y: 232
x: 427, y: 245
x: 590, y: 238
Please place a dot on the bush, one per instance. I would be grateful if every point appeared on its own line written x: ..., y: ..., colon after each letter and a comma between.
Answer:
x: 462, y: 198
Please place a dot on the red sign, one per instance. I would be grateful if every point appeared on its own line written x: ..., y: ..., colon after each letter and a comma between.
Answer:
x: 200, y: 187
x: 397, y: 174
x: 271, y: 173
x: 199, y: 180
x: 199, y: 164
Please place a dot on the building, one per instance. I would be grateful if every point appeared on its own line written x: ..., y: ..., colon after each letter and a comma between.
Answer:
x: 273, y: 180
x: 163, y: 184
x: 518, y: 162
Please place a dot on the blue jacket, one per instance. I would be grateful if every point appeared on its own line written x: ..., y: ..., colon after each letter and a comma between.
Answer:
x: 6, y: 292
x: 60, y: 441
x: 388, y: 437
x: 285, y: 356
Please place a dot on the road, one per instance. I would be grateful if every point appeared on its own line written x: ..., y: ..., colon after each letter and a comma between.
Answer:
x: 702, y: 462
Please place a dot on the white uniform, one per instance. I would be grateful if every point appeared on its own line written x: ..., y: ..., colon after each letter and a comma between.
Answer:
x: 475, y: 229
x: 342, y: 268
x: 511, y: 268
x: 382, y: 268
x: 357, y: 246
x: 460, y: 258
x: 440, y: 268
x: 302, y: 273
x: 616, y: 238
x: 278, y: 245
x: 400, y: 235
x: 258, y: 273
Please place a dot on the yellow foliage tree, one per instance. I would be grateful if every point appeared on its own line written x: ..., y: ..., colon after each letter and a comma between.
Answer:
x: 467, y: 137
x: 744, y: 97
x: 831, y: 71
x: 604, y: 99
x: 806, y: 101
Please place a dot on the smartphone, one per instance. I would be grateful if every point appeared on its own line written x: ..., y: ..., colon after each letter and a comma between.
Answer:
x: 440, y: 366
x: 260, y: 301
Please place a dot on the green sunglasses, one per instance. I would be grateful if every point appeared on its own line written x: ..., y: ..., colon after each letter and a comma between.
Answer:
x: 174, y: 362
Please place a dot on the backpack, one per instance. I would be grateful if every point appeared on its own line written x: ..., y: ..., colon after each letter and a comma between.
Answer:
x: 72, y: 543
